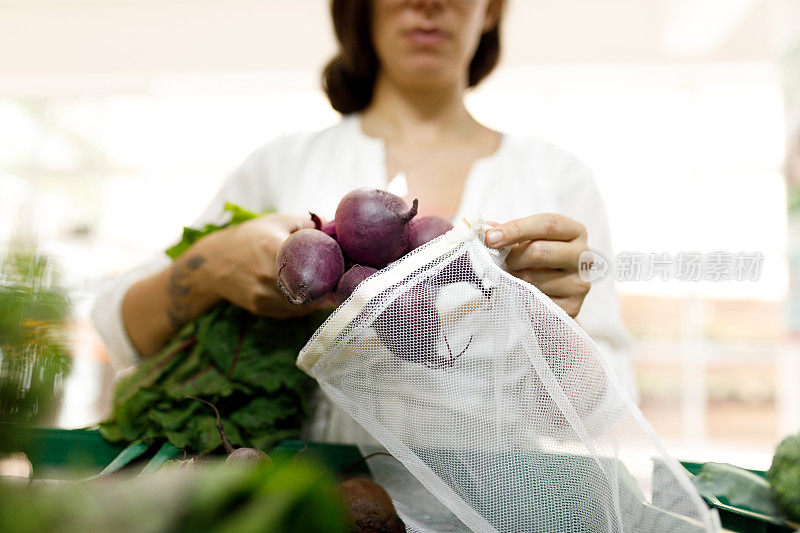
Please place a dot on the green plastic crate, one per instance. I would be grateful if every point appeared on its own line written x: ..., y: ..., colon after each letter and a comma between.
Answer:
x: 65, y: 454
x: 57, y: 453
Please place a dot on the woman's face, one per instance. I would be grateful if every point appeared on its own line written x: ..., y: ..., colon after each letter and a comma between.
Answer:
x: 429, y: 43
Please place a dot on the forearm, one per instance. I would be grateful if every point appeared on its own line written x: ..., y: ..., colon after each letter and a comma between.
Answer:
x: 155, y: 307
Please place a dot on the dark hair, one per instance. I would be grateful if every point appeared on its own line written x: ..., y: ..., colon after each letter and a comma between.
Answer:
x: 349, y: 78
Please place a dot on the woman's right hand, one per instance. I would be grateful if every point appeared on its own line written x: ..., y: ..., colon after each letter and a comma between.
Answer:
x: 238, y: 264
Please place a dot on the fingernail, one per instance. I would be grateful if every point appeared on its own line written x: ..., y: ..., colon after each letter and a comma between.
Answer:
x: 493, y: 236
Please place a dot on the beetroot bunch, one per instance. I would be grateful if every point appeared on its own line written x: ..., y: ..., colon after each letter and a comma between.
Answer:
x: 372, y: 228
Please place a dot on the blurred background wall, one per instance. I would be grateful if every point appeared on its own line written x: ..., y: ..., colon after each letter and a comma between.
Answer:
x: 120, y: 118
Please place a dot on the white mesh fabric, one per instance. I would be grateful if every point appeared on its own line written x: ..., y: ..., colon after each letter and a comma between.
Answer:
x: 499, y: 411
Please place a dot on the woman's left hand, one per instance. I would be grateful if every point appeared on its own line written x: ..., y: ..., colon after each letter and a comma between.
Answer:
x: 545, y: 251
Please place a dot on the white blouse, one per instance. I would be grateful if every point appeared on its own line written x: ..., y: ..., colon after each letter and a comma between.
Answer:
x: 312, y: 171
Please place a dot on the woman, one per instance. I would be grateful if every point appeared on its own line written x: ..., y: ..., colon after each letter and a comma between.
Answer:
x: 399, y: 80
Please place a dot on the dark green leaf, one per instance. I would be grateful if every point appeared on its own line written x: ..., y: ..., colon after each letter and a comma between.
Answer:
x: 172, y: 417
x: 207, y: 381
x: 132, y: 416
x: 203, y: 437
x: 264, y: 412
x: 222, y: 343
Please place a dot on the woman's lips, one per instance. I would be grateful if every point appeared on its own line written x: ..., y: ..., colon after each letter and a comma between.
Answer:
x: 426, y: 37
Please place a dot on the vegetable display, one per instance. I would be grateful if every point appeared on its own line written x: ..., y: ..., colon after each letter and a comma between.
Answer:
x: 784, y: 475
x: 34, y: 342
x: 776, y: 496
x: 34, y: 352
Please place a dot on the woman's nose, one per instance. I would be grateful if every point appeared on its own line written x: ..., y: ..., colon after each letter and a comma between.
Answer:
x: 439, y: 4
x: 427, y: 4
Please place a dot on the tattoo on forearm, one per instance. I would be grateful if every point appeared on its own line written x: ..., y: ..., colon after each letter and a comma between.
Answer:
x: 179, y: 288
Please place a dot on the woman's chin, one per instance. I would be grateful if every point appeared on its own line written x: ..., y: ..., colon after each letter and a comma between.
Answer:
x: 428, y: 74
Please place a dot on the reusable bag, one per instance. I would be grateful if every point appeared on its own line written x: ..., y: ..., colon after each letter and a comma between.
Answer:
x: 499, y: 412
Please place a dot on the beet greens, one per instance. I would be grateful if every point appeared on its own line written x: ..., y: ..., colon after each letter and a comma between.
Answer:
x: 244, y: 363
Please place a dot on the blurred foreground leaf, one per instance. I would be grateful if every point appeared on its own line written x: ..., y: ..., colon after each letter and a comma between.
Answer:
x: 217, y: 497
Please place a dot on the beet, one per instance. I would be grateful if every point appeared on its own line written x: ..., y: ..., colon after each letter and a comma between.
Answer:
x: 425, y: 229
x: 350, y: 280
x: 236, y: 456
x: 247, y: 457
x: 310, y: 264
x: 369, y: 506
x: 409, y: 326
x: 372, y: 226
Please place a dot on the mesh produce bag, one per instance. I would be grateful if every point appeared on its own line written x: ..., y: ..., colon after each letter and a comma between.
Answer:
x: 499, y: 412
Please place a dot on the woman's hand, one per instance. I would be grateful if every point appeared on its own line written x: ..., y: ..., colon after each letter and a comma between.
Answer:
x: 239, y: 264
x: 545, y: 250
